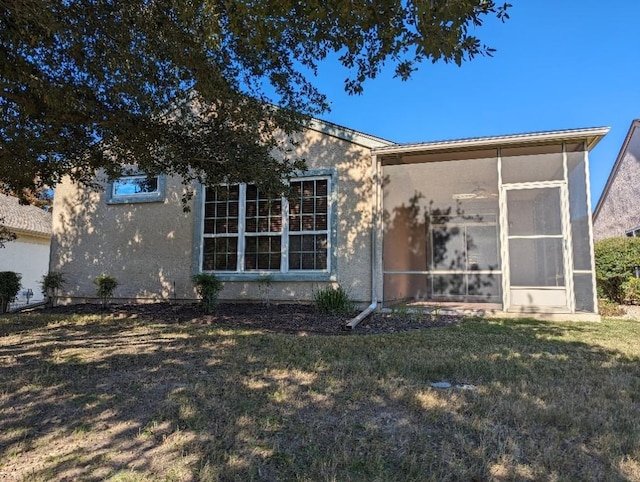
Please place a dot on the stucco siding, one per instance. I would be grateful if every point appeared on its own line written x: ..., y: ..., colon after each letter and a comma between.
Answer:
x: 619, y: 209
x: 149, y: 247
x: 354, y: 209
x: 29, y: 256
x: 146, y: 246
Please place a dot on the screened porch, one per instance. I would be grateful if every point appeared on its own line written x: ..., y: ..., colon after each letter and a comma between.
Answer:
x: 498, y: 222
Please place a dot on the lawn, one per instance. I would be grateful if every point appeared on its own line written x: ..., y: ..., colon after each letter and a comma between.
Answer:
x: 118, y: 399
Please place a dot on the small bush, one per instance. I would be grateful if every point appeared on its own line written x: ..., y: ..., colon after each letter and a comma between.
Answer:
x: 52, y: 283
x: 106, y: 285
x: 616, y: 260
x: 208, y: 287
x: 9, y: 287
x: 631, y: 291
x: 333, y: 301
x: 609, y: 309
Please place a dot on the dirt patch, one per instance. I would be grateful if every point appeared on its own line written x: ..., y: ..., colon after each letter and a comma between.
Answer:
x: 280, y: 318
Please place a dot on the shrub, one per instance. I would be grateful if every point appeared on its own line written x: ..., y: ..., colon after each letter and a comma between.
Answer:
x: 208, y: 287
x: 52, y: 283
x: 333, y: 300
x: 609, y: 309
x: 106, y: 285
x: 631, y: 291
x: 616, y: 260
x: 9, y: 287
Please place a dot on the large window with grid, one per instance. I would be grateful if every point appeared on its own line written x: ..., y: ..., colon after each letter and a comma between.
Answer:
x: 244, y: 231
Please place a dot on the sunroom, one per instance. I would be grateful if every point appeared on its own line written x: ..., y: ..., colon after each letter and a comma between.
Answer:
x: 499, y: 223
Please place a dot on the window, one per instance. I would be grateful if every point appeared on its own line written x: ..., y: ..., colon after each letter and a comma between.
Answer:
x: 243, y: 231
x: 135, y: 189
x: 634, y: 233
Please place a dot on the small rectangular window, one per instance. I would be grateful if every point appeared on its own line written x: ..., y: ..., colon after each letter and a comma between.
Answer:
x: 137, y: 188
x: 135, y: 185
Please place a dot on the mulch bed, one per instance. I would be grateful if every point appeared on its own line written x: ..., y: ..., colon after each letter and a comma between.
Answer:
x: 277, y: 318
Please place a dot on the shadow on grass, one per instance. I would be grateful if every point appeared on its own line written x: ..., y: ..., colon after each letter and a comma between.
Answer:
x: 116, y: 398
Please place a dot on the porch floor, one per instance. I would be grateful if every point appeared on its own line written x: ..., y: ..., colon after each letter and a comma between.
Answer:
x: 488, y: 310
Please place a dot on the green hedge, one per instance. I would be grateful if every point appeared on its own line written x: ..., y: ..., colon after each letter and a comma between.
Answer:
x: 616, y: 262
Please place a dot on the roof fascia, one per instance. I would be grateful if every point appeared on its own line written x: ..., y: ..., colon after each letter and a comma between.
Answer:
x: 347, y: 134
x: 28, y: 232
x: 591, y: 135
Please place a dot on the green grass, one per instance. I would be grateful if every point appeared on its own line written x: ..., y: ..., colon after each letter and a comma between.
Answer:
x: 117, y: 399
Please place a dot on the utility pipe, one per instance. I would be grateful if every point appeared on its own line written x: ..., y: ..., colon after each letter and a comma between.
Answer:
x: 374, y: 225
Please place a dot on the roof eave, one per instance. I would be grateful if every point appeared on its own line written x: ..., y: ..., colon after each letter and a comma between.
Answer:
x: 591, y: 135
x: 349, y: 135
x: 29, y: 232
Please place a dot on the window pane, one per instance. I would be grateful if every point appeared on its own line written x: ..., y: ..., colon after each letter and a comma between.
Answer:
x: 127, y: 186
x: 448, y: 248
x: 262, y: 253
x: 487, y: 287
x: 220, y: 254
x: 448, y: 285
x: 221, y: 210
x: 308, y: 206
x: 308, y: 252
x: 482, y: 248
x: 307, y: 188
x: 321, y: 187
x: 263, y: 215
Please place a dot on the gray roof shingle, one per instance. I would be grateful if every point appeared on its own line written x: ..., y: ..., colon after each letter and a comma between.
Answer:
x: 30, y: 219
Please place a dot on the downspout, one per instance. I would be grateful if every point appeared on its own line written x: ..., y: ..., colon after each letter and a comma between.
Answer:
x: 374, y: 239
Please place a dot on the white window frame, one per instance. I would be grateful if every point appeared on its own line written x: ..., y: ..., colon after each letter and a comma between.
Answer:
x: 633, y: 233
x: 285, y: 234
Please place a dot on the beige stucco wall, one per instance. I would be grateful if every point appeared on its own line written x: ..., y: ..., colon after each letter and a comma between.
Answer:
x: 29, y: 256
x: 149, y: 247
x: 620, y: 207
x: 146, y: 246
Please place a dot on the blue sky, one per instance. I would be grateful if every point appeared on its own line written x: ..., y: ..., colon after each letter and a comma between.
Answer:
x: 559, y: 65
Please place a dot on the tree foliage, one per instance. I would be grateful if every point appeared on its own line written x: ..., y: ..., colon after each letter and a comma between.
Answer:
x: 199, y: 88
x: 616, y: 262
x: 9, y: 288
x: 6, y: 235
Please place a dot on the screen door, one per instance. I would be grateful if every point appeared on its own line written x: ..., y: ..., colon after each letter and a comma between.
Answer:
x: 537, y: 250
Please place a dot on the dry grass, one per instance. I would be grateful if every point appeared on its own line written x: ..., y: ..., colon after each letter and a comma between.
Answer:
x: 84, y: 398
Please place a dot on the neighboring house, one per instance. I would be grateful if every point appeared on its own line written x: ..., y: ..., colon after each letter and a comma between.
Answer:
x: 28, y: 254
x: 497, y: 223
x: 618, y: 210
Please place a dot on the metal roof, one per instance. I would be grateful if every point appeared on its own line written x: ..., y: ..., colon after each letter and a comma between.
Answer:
x: 591, y: 135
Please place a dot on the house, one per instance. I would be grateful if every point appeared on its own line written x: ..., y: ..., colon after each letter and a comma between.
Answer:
x: 618, y: 210
x: 499, y: 224
x: 28, y: 254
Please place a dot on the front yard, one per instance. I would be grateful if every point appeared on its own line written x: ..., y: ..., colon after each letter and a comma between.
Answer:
x: 122, y: 398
